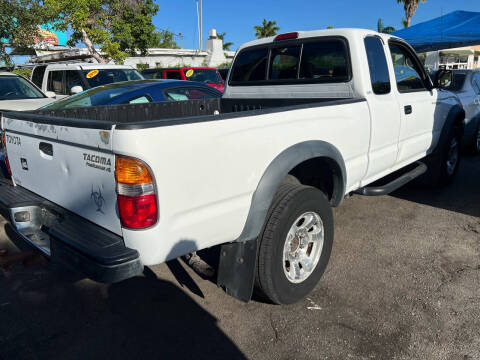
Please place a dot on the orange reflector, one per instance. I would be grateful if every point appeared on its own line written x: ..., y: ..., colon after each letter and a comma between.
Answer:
x: 131, y: 171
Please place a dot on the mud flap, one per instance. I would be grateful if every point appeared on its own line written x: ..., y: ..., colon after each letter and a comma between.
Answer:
x: 236, y: 270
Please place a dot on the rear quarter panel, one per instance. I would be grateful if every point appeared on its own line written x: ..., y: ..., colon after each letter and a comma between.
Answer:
x: 207, y: 172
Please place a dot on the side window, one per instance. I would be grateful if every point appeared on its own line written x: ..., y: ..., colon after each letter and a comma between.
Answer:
x: 406, y: 72
x: 476, y: 82
x: 55, y: 82
x: 139, y: 100
x: 37, y: 75
x: 148, y: 75
x: 284, y: 63
x: 173, y: 75
x: 377, y: 63
x: 324, y: 61
x: 72, y: 78
x: 184, y: 94
x: 250, y: 65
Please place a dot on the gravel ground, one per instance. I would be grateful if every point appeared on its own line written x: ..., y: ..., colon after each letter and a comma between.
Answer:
x: 402, y: 283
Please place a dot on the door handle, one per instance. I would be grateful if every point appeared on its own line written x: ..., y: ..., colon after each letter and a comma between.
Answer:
x: 46, y: 148
x: 408, y: 109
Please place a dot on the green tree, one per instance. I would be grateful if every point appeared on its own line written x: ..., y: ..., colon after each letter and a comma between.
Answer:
x: 268, y: 28
x: 404, y: 22
x: 384, y: 29
x: 119, y: 27
x: 410, y: 7
x: 163, y: 39
x: 19, y: 24
x: 226, y: 45
x: 329, y: 27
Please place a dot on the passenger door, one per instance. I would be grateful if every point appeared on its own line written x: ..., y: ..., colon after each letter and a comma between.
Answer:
x: 416, y: 102
x: 385, y: 119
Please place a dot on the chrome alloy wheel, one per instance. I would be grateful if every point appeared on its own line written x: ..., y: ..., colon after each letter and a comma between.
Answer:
x: 453, y: 154
x: 303, y: 247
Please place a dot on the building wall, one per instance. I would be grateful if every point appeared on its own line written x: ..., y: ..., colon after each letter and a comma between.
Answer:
x: 213, y: 56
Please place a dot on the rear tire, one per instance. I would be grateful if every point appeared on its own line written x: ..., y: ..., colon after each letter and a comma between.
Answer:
x: 295, y: 244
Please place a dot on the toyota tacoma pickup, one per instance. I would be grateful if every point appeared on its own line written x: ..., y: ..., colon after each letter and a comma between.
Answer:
x: 307, y: 119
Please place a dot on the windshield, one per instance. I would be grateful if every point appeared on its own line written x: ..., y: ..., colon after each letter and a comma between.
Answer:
x: 97, y: 77
x: 17, y: 88
x: 202, y: 75
x: 92, y: 97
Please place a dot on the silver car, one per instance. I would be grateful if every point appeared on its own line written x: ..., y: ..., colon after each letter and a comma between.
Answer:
x: 466, y: 85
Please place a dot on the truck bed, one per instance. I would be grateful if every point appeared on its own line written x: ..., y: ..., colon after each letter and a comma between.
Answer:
x: 172, y: 113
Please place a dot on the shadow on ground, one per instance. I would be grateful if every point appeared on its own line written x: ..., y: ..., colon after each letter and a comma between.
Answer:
x: 463, y: 196
x: 51, y: 313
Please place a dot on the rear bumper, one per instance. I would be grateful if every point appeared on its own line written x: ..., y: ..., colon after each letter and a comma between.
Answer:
x: 67, y: 238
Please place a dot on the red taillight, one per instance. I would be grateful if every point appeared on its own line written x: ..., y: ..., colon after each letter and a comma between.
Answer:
x: 7, y: 163
x: 136, y: 195
x: 138, y: 212
x: 287, y: 36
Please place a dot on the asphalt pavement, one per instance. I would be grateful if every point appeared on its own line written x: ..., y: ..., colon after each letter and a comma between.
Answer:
x: 403, y: 283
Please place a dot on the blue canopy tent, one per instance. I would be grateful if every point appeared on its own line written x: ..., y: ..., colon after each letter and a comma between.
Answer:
x: 456, y: 29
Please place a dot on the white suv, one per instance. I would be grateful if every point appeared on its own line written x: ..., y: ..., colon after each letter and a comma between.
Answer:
x: 72, y: 78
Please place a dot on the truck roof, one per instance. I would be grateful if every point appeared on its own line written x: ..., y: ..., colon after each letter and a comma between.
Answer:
x: 345, y: 32
x: 84, y: 66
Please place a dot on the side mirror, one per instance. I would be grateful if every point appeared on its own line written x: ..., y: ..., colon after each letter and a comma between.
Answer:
x: 76, y: 89
x: 51, y: 94
x: 443, y: 79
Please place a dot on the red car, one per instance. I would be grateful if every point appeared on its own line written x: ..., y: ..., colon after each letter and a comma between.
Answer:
x: 209, y: 76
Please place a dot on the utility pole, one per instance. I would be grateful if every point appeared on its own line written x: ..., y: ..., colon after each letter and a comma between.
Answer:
x: 200, y: 24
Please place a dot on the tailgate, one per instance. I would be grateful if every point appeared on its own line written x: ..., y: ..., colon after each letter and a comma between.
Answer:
x: 67, y: 163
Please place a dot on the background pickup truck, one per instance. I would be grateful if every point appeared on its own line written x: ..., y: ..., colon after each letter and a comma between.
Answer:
x: 306, y: 120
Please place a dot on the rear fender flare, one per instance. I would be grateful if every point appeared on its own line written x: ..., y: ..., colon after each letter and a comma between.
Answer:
x: 276, y: 172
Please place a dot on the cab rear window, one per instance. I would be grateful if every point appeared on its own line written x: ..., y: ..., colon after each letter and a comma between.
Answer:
x: 312, y: 61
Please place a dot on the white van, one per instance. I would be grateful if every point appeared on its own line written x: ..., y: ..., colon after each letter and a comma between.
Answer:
x: 71, y: 78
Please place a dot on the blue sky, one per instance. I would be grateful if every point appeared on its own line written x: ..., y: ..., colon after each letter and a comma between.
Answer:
x: 237, y: 17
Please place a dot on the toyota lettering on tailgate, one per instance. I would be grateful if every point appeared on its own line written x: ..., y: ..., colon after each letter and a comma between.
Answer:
x: 14, y: 140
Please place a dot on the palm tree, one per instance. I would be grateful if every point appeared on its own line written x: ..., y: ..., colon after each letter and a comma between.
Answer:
x: 226, y: 45
x: 410, y: 7
x: 380, y: 25
x: 268, y: 28
x: 384, y: 29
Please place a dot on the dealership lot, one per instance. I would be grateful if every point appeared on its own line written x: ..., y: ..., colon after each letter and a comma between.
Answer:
x: 403, y: 282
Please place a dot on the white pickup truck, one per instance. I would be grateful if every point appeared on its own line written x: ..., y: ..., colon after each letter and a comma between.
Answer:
x: 307, y: 119
x: 64, y: 79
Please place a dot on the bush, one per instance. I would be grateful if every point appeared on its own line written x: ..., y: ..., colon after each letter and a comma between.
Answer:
x: 23, y: 72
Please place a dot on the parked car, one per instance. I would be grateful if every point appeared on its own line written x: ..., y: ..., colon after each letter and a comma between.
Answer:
x: 137, y: 92
x: 307, y: 119
x: 18, y: 93
x: 72, y: 78
x: 466, y: 85
x: 209, y: 76
x: 223, y: 73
